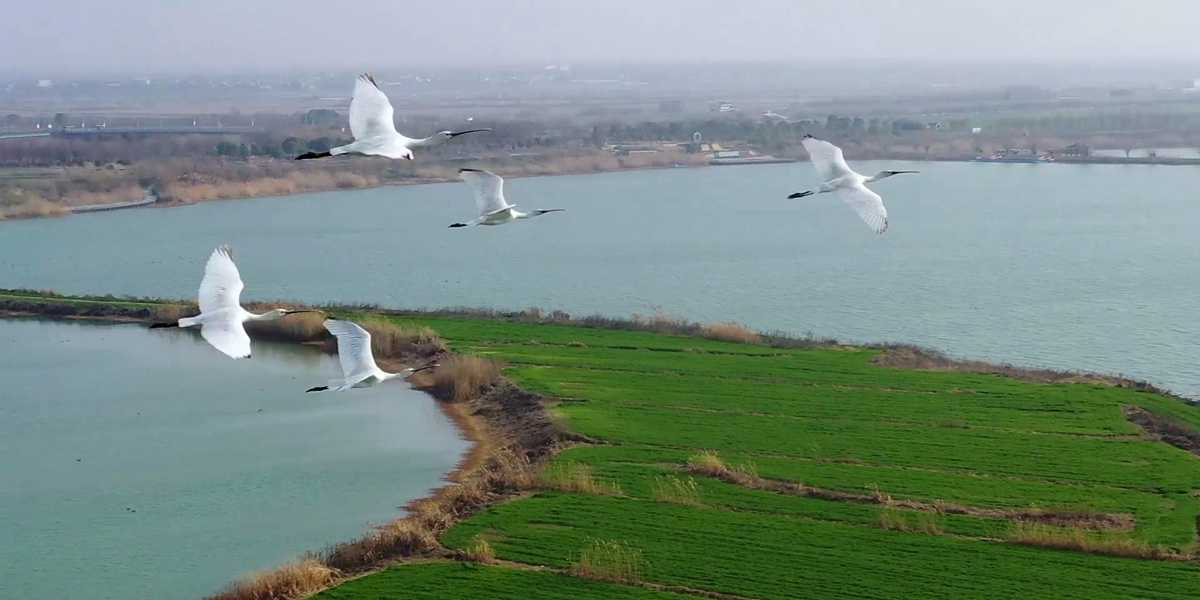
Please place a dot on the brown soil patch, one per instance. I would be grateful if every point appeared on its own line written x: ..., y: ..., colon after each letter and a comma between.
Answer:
x: 1165, y: 430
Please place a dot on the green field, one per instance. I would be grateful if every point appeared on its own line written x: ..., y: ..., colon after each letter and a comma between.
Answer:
x: 830, y: 419
x: 992, y: 448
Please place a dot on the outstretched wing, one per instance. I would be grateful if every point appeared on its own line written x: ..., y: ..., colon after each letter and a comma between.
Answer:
x: 354, y: 348
x: 227, y: 335
x: 370, y: 110
x: 489, y: 190
x: 222, y: 284
x: 867, y: 204
x: 827, y: 158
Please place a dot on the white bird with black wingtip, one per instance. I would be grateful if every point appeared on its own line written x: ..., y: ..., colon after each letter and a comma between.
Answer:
x: 221, y: 315
x: 851, y: 187
x: 358, y: 363
x: 374, y: 130
x: 489, y: 199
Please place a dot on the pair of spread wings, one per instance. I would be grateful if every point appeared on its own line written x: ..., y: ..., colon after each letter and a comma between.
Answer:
x: 489, y: 191
x: 830, y: 165
x: 220, y: 305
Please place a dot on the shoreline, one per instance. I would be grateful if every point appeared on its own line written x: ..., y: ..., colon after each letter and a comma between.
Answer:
x: 1089, y: 160
x: 511, y: 443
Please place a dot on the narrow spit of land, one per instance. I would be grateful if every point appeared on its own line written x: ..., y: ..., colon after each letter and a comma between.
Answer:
x: 691, y: 467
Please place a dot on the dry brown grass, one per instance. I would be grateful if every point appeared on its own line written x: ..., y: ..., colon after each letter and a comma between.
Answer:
x: 169, y: 313
x: 730, y: 332
x: 607, y: 560
x: 302, y: 327
x: 28, y: 204
x: 391, y: 339
x: 480, y: 551
x: 672, y: 489
x: 1079, y: 540
x: 299, y: 579
x: 460, y: 378
x: 405, y: 537
x: 709, y: 464
x: 892, y: 519
x: 571, y: 476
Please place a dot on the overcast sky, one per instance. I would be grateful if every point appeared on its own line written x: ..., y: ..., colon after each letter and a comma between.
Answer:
x: 143, y: 36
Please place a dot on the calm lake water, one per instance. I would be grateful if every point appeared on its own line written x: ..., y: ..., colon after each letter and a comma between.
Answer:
x: 1093, y: 267
x: 144, y: 464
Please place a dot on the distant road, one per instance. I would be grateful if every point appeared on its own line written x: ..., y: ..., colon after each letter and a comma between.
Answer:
x: 136, y: 130
x: 149, y: 199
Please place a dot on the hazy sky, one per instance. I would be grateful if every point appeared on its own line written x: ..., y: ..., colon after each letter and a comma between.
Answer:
x: 136, y: 36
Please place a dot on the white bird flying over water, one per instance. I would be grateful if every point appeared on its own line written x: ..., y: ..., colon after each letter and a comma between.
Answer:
x: 848, y: 185
x: 374, y: 130
x: 358, y: 364
x: 489, y: 197
x: 221, y: 313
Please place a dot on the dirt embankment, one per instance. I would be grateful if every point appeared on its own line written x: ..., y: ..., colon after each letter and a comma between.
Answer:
x: 1164, y: 429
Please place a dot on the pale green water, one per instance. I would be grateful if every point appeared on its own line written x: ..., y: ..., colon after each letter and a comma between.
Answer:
x: 99, y: 419
x: 1092, y: 267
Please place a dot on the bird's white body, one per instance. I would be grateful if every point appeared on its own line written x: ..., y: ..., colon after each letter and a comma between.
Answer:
x: 373, y: 127
x: 222, y: 317
x: 358, y: 363
x: 850, y: 186
x: 493, y: 208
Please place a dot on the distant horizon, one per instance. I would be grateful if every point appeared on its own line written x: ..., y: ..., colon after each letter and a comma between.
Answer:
x: 9, y: 72
x: 73, y: 37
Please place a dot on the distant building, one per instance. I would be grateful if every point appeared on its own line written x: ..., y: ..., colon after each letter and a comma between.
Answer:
x: 1077, y: 150
x: 724, y: 107
x: 933, y: 125
x: 976, y: 130
x: 45, y: 83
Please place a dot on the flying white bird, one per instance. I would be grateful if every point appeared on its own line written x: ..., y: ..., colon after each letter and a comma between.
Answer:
x: 374, y: 130
x: 221, y: 313
x: 358, y: 365
x: 489, y: 196
x: 848, y: 185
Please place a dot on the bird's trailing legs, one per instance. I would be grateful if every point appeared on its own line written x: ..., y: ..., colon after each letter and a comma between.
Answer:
x: 162, y: 325
x: 800, y: 195
x: 320, y: 388
x: 312, y: 155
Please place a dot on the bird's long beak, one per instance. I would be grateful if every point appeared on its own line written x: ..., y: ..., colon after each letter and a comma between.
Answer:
x: 899, y: 172
x: 427, y: 367
x: 546, y: 210
x: 458, y: 133
x: 296, y: 312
